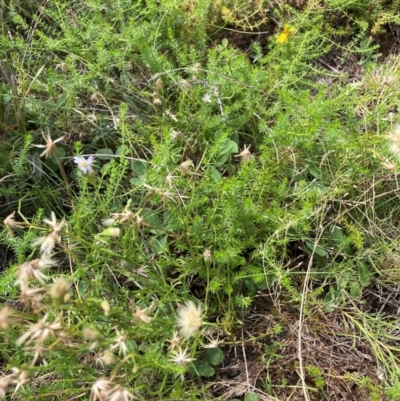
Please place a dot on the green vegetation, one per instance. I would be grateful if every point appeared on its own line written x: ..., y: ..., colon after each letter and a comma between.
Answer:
x: 200, y: 200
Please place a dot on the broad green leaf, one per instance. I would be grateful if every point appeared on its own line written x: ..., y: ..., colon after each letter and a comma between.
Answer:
x: 355, y: 289
x: 229, y: 147
x: 121, y: 151
x: 337, y: 235
x: 136, y: 181
x: 82, y: 288
x: 214, y: 173
x: 151, y: 218
x: 332, y: 298
x: 200, y: 368
x: 263, y: 284
x: 319, y: 250
x: 60, y: 156
x: 214, y: 356
x: 37, y: 165
x: 62, y: 99
x: 319, y: 186
x: 91, y: 179
x: 364, y: 274
x: 250, y: 397
x: 315, y: 172
x: 159, y: 244
x: 339, y: 239
x: 105, y: 154
x: 344, y: 280
x: 139, y: 167
x: 250, y: 285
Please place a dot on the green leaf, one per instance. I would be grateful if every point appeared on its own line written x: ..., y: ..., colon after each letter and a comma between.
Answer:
x: 200, y: 368
x: 60, y: 156
x: 214, y: 356
x: 250, y: 397
x: 339, y: 239
x: 364, y: 274
x: 319, y: 186
x: 265, y: 283
x: 37, y: 165
x: 250, y: 285
x: 227, y: 149
x: 82, y: 288
x: 62, y: 99
x: 136, y: 181
x: 214, y: 173
x: 105, y: 154
x: 151, y: 218
x: 224, y: 43
x: 319, y: 250
x: 332, y: 298
x: 337, y: 235
x: 91, y: 179
x: 139, y: 167
x: 159, y: 244
x: 121, y: 151
x: 344, y: 280
x: 355, y: 289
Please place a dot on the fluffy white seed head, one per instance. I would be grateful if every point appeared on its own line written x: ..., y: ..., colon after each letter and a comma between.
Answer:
x: 189, y: 319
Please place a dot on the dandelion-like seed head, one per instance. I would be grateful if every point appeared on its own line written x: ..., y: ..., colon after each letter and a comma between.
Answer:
x: 213, y: 342
x: 157, y: 101
x: 5, y: 381
x: 118, y: 393
x: 110, y: 232
x: 59, y: 290
x: 389, y: 166
x: 99, y: 389
x: 159, y: 84
x: 245, y: 154
x: 20, y: 378
x: 50, y: 148
x: 32, y: 296
x: 174, y: 134
x: 207, y: 256
x: 39, y: 332
x: 53, y: 223
x: 10, y: 223
x: 180, y: 357
x: 108, y: 358
x: 189, y: 319
x: 169, y: 178
x: 48, y: 242
x: 33, y: 271
x: 175, y: 341
x: 6, y: 318
x: 186, y: 166
x: 394, y: 138
x: 120, y: 343
x: 141, y: 315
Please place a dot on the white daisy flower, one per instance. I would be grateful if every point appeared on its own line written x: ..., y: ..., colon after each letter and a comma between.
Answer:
x: 85, y: 165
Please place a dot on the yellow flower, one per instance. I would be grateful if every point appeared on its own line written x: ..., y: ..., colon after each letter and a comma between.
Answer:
x: 284, y: 36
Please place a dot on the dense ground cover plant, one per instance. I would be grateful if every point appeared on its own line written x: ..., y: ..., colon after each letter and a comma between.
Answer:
x: 175, y: 195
